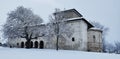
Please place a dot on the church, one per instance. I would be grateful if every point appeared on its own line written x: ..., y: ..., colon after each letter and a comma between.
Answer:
x: 84, y: 36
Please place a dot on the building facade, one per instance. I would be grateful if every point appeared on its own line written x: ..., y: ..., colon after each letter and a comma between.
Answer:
x: 84, y: 36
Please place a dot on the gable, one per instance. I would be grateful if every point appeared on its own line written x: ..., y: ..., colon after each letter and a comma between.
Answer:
x: 80, y: 18
x: 71, y: 13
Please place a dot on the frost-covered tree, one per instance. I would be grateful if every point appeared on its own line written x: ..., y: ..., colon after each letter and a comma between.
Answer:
x: 59, y: 28
x: 113, y: 48
x: 117, y: 47
x: 110, y: 48
x: 104, y: 33
x: 18, y: 24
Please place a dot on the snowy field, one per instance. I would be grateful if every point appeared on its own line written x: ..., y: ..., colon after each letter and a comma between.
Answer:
x: 18, y: 53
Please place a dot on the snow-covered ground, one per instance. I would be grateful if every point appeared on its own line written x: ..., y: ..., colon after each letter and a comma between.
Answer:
x: 19, y: 53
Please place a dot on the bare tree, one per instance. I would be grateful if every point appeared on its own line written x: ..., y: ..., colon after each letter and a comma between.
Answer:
x: 59, y: 27
x: 104, y: 33
x: 18, y: 24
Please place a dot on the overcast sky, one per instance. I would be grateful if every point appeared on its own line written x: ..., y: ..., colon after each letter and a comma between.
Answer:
x: 107, y: 12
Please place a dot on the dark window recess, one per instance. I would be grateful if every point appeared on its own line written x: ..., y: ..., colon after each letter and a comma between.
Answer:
x: 31, y: 44
x: 22, y: 44
x: 10, y: 46
x: 17, y: 44
x: 36, y: 44
x: 41, y: 46
x: 94, y: 38
x: 73, y: 39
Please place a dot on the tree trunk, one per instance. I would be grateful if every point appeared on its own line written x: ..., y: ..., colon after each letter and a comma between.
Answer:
x: 57, y: 32
x: 57, y: 43
x: 28, y: 44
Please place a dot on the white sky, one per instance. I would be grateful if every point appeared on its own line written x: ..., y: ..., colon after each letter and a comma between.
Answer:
x: 107, y: 12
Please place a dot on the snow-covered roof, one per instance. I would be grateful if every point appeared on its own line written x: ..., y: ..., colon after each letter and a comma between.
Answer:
x: 95, y: 29
x: 69, y: 10
x: 74, y: 18
x: 78, y: 17
x: 81, y: 18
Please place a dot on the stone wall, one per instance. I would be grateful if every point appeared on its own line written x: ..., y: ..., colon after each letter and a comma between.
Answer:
x: 94, y: 40
x: 78, y: 40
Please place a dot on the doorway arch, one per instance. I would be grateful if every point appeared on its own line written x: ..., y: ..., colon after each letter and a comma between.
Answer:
x: 22, y: 44
x: 41, y: 46
x: 26, y: 44
x: 36, y: 44
x: 31, y: 44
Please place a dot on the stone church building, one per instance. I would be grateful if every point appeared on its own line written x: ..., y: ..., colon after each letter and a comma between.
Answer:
x: 84, y: 37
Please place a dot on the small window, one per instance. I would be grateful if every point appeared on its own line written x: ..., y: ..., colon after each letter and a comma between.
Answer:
x: 17, y: 44
x: 93, y: 38
x: 73, y: 39
x: 10, y: 46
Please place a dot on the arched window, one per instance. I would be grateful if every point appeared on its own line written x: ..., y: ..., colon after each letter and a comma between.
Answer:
x: 22, y: 44
x: 73, y: 39
x: 41, y: 45
x: 36, y: 44
x: 31, y: 44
